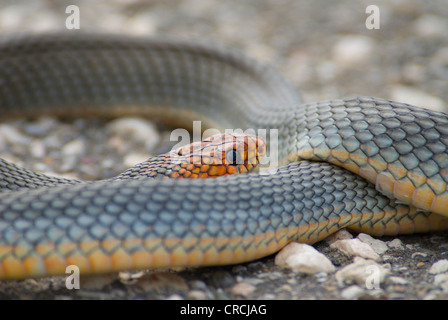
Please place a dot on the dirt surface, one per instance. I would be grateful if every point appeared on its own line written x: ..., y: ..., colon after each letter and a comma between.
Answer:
x: 325, y: 51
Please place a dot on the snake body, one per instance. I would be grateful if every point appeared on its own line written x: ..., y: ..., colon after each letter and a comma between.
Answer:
x: 365, y: 163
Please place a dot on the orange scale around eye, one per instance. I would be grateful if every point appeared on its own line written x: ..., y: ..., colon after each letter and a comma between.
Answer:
x: 232, y: 170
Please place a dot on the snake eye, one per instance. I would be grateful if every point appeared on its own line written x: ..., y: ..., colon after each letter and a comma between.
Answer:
x: 233, y: 157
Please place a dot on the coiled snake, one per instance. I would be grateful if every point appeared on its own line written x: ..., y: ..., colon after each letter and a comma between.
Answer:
x: 365, y: 163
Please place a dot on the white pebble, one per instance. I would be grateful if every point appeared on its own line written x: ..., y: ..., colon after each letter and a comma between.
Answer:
x: 377, y: 245
x: 363, y: 272
x: 41, y: 126
x: 243, y: 289
x: 441, y: 278
x: 12, y: 135
x: 73, y: 148
x: 303, y: 258
x: 352, y: 292
x: 196, y: 295
x: 37, y: 148
x: 354, y: 247
x: 430, y: 25
x: 144, y: 23
x: 398, y: 280
x: 440, y: 266
x: 140, y: 129
x: 339, y: 235
x: 353, y: 49
x: 395, y: 244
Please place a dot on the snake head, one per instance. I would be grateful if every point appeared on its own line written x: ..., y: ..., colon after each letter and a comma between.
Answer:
x: 218, y: 155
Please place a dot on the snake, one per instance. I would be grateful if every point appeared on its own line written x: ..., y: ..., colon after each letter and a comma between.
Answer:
x: 368, y: 164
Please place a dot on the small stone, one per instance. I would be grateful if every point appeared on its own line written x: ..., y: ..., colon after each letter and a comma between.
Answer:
x: 37, y: 148
x: 377, y: 245
x: 130, y: 278
x: 302, y: 257
x: 268, y: 296
x: 441, y: 278
x: 353, y: 49
x: 143, y: 23
x: 198, y: 285
x: 339, y: 235
x: 354, y: 247
x: 196, y: 295
x: 440, y: 266
x: 253, y: 281
x: 140, y: 129
x: 41, y: 127
x: 398, y: 280
x: 243, y: 289
x: 220, y: 295
x: 363, y: 272
x: 352, y: 292
x: 73, y: 148
x: 321, y: 276
x: 429, y: 25
x: 395, y: 244
x: 13, y: 135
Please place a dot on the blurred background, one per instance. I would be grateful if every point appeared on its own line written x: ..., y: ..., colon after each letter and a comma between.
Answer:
x: 322, y: 47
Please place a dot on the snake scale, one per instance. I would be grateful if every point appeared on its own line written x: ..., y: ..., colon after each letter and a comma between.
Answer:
x: 364, y: 163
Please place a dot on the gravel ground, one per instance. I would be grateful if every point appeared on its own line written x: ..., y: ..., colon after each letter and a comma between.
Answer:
x: 307, y: 41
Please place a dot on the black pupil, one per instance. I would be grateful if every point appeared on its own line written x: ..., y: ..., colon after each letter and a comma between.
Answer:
x: 232, y: 157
